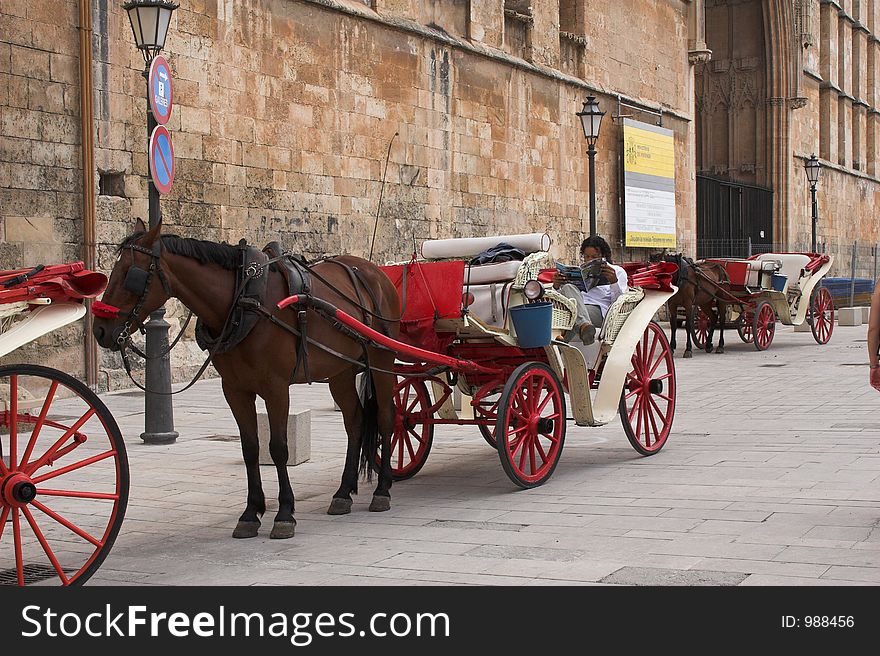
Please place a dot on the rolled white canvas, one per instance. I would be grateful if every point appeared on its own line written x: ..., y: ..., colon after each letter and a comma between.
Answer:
x: 435, y: 249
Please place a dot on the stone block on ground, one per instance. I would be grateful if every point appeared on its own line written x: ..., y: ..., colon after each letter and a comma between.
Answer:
x: 299, y: 437
x: 849, y: 316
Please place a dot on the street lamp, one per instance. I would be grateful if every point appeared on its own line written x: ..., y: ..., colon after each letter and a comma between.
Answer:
x: 149, y: 24
x: 812, y: 167
x: 591, y: 121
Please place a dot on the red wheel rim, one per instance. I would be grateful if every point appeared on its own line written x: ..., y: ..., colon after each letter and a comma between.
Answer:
x: 535, y: 424
x: 822, y: 312
x: 745, y: 327
x: 765, y: 326
x: 63, y: 479
x: 411, y: 442
x: 701, y: 327
x: 649, y: 392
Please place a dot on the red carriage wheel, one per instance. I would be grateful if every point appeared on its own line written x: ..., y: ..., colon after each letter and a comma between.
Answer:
x: 413, y: 433
x: 764, y: 325
x: 531, y: 424
x: 822, y: 315
x: 487, y: 408
x: 63, y: 478
x: 647, y: 403
x: 744, y: 326
x: 701, y: 324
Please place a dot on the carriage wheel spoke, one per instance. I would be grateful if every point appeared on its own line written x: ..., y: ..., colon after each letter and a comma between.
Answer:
x: 75, y: 466
x: 524, y: 452
x: 3, y: 517
x: 67, y: 524
x: 50, y: 395
x: 77, y: 495
x: 635, y: 404
x: 541, y: 452
x: 532, y: 459
x: 544, y: 403
x: 56, y: 451
x: 13, y: 421
x: 16, y: 536
x: 45, y: 545
x: 412, y: 453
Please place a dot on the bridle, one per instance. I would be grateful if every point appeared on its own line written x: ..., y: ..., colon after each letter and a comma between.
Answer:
x: 137, y: 281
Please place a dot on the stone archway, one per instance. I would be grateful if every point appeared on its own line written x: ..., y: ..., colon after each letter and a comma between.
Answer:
x: 744, y: 95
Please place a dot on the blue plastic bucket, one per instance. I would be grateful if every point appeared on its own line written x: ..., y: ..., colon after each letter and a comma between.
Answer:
x: 779, y: 282
x: 532, y: 323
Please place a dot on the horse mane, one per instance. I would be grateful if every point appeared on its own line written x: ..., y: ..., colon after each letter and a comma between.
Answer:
x: 206, y: 252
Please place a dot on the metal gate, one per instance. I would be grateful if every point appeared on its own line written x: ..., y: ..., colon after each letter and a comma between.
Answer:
x: 733, y: 219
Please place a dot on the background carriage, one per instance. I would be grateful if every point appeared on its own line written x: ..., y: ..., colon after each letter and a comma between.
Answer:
x: 64, y: 471
x: 768, y: 287
x: 457, y: 332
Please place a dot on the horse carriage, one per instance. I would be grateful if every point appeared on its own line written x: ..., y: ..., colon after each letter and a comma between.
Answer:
x: 457, y: 331
x: 765, y: 288
x: 63, y: 472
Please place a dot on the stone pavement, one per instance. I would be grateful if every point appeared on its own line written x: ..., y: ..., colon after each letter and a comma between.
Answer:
x: 770, y: 477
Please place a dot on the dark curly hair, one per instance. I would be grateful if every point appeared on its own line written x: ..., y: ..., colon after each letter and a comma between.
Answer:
x: 599, y: 244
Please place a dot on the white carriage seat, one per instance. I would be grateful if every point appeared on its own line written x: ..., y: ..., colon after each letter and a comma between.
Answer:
x: 490, y: 302
x: 792, y: 266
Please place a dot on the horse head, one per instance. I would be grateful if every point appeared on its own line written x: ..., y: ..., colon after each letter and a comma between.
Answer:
x: 137, y: 287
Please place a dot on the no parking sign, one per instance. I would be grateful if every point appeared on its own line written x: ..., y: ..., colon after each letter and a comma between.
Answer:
x: 161, y: 159
x: 161, y: 95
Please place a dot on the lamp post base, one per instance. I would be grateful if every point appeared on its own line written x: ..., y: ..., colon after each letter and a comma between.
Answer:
x: 159, y: 438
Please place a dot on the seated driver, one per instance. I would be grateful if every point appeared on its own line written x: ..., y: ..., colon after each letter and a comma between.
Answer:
x: 593, y: 304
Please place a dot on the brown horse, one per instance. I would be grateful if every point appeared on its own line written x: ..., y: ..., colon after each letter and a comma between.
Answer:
x: 152, y: 268
x: 698, y: 284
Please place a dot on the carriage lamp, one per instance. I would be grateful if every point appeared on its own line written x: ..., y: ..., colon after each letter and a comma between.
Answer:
x: 813, y: 168
x: 149, y: 23
x: 533, y: 290
x: 591, y: 121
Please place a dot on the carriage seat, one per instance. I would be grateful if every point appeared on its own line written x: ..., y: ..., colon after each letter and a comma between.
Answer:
x: 791, y: 266
x: 480, y: 274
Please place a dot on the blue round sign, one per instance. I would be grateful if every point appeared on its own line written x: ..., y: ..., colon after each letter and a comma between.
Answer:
x: 161, y: 159
x: 161, y: 91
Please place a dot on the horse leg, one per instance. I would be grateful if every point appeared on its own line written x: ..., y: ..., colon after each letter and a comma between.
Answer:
x: 722, y: 316
x: 344, y: 391
x: 689, y: 330
x: 384, y: 392
x: 278, y: 409
x: 709, y: 310
x: 244, y: 410
x: 673, y: 324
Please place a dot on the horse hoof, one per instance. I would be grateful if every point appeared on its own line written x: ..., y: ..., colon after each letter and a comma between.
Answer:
x: 246, y: 529
x: 688, y: 354
x: 380, y: 504
x: 339, y: 506
x: 719, y: 350
x: 709, y: 349
x: 282, y: 530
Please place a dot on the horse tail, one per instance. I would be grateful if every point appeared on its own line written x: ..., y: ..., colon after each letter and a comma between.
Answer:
x: 369, y: 426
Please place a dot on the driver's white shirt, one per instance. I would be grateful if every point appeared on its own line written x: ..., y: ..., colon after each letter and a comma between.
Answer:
x: 604, y: 295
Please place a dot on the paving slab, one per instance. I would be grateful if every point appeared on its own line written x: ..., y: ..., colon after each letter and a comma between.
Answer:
x: 771, y: 476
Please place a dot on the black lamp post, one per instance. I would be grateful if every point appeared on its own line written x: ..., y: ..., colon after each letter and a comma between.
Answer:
x: 149, y: 23
x: 813, y: 168
x: 591, y: 121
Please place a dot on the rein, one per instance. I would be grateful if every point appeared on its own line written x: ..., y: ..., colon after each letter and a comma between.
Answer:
x: 138, y: 280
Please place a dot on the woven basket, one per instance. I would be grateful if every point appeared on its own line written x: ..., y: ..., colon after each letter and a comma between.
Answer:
x: 618, y: 313
x: 564, y: 308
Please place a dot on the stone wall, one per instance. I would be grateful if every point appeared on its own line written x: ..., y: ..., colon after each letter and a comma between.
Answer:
x: 285, y: 111
x: 40, y: 160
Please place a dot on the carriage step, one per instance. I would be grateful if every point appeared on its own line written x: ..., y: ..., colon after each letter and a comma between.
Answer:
x: 299, y: 438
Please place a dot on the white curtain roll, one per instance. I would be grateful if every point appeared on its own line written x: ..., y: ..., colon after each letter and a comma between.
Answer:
x: 436, y: 249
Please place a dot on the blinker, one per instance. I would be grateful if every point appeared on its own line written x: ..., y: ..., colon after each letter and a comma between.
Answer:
x: 136, y: 281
